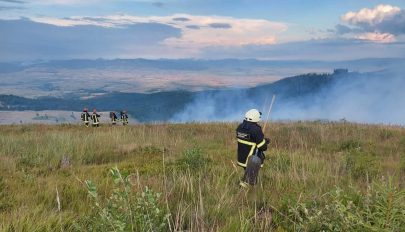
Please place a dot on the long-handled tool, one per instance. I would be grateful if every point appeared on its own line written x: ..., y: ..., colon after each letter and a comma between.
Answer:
x: 268, y: 113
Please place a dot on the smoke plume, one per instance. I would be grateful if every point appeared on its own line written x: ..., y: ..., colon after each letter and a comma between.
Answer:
x: 365, y: 98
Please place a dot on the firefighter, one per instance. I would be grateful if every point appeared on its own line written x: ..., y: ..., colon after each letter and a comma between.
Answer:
x: 251, y: 147
x: 85, y: 117
x: 95, y: 118
x: 124, y: 117
x: 113, y: 118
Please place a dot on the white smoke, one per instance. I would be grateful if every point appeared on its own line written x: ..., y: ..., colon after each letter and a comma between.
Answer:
x: 365, y: 98
x: 215, y: 106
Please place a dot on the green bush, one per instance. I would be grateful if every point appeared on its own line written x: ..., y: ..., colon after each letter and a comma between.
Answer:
x: 193, y: 159
x: 125, y: 210
x: 349, y: 145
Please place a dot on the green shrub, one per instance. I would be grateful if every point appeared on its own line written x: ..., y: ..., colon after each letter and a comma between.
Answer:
x: 349, y: 145
x: 125, y: 210
x: 193, y: 159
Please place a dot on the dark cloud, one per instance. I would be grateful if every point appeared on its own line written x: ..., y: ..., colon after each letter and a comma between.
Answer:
x: 394, y: 25
x: 181, y: 19
x: 24, y: 39
x: 220, y: 25
x: 95, y: 19
x: 13, y: 1
x: 342, y: 29
x: 193, y: 27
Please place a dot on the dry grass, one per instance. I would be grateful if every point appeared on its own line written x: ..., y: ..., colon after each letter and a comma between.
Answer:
x: 306, y: 160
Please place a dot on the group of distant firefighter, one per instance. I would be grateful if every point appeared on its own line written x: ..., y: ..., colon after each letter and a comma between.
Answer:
x: 94, y: 118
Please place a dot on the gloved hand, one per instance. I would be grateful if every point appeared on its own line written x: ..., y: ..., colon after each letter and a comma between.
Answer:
x: 267, y: 141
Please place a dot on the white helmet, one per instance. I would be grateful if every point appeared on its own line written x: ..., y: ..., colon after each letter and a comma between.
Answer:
x: 253, y: 115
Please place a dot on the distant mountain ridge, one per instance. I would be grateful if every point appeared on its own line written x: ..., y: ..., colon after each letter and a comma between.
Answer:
x: 196, y: 64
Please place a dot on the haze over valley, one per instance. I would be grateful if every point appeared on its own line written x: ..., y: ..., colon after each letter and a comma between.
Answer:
x: 178, y: 90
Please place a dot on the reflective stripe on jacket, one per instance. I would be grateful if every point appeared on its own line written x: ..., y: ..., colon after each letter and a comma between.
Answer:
x: 95, y: 119
x: 85, y: 117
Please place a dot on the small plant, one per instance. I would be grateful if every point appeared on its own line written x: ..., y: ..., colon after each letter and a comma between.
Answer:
x: 350, y: 145
x: 193, y: 159
x: 125, y: 210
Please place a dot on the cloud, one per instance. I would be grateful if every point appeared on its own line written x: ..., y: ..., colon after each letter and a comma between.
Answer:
x: 193, y: 27
x: 371, y: 16
x: 220, y: 25
x: 13, y: 1
x: 381, y: 20
x: 342, y: 29
x: 181, y: 19
x: 63, y: 2
x: 377, y: 37
x: 130, y: 36
x: 25, y: 39
x: 5, y: 8
x: 382, y: 24
x: 239, y: 31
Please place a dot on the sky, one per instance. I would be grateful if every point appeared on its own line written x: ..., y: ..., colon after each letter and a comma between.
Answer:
x: 201, y: 29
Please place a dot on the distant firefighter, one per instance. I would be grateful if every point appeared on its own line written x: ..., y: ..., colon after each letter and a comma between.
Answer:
x: 95, y: 118
x: 124, y: 117
x: 85, y: 117
x: 113, y: 118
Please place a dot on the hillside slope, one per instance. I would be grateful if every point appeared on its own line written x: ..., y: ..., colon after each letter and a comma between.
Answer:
x: 317, y: 176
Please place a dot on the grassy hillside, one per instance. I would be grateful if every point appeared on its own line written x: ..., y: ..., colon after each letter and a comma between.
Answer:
x: 330, y: 176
